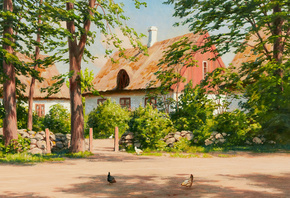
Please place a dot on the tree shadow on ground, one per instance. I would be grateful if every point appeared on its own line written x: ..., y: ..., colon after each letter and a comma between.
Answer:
x: 115, y: 158
x: 155, y: 186
x: 21, y: 195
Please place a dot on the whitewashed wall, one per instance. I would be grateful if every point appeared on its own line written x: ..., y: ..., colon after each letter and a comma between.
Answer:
x: 137, y: 99
x: 48, y: 104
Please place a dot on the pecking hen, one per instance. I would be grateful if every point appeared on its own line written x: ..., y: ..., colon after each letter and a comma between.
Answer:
x: 138, y: 151
x: 188, y: 182
x: 111, y: 179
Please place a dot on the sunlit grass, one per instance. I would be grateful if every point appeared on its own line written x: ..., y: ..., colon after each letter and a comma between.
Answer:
x: 24, y: 158
x: 152, y: 154
x: 79, y: 154
x: 181, y: 155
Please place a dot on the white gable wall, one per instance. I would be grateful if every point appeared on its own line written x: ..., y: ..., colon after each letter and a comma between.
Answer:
x: 48, y: 104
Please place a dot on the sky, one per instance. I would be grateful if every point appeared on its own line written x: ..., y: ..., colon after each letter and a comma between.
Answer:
x: 155, y: 14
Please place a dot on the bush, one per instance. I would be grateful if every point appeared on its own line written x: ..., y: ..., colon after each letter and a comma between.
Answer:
x: 149, y: 125
x: 22, y: 117
x: 16, y: 146
x: 57, y: 120
x: 106, y: 117
x: 237, y: 125
x: 194, y: 109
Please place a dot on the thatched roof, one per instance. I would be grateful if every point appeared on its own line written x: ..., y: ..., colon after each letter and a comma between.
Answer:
x: 140, y: 72
x: 47, y: 74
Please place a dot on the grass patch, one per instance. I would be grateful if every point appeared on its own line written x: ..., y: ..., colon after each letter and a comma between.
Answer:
x: 181, y: 155
x: 225, y: 155
x: 152, y: 154
x: 79, y: 154
x: 206, y: 155
x: 26, y: 158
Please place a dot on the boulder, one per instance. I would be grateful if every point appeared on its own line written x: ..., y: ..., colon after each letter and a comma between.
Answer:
x: 25, y: 135
x: 35, y: 151
x: 38, y: 137
x: 189, y: 136
x: 52, y: 137
x: 1, y: 131
x: 42, y: 133
x: 224, y: 134
x: 208, y: 142
x: 33, y: 141
x: 183, y: 133
x: 177, y: 136
x: 31, y: 132
x: 59, y: 145
x: 218, y: 136
x: 32, y: 146
x: 170, y: 140
x: 41, y: 144
x: 257, y: 140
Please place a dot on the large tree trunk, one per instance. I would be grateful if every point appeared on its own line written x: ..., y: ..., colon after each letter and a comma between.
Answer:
x: 32, y: 84
x: 9, y: 96
x: 278, y: 43
x: 77, y: 116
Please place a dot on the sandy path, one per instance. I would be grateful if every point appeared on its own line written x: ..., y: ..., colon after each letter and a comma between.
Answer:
x: 142, y: 176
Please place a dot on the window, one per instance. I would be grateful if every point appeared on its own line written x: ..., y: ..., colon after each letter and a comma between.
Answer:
x: 101, y: 100
x: 40, y: 110
x: 125, y: 102
x: 123, y: 79
x: 204, y: 69
x: 151, y: 101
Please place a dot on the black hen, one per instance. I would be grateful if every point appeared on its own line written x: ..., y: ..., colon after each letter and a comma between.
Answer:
x: 111, y: 179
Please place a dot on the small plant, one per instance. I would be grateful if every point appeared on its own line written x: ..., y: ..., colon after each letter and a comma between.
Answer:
x: 58, y: 119
x: 106, y: 117
x: 182, y: 145
x: 19, y: 145
x: 79, y: 154
x: 149, y: 126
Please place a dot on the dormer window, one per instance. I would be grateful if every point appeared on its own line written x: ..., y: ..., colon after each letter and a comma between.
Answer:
x: 204, y: 69
x: 123, y: 79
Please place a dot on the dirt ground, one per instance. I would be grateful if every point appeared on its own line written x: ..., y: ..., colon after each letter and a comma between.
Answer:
x: 246, y: 175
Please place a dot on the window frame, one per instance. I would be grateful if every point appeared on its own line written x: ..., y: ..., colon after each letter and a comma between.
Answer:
x: 39, y: 111
x: 154, y: 103
x: 125, y: 99
x: 101, y: 101
x: 204, y: 69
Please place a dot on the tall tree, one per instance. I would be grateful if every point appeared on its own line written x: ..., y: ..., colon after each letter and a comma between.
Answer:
x: 32, y: 83
x: 79, y: 15
x: 9, y: 95
x: 233, y: 22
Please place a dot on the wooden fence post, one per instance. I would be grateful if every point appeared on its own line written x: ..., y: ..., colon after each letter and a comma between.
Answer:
x: 91, y: 140
x: 48, y: 149
x: 116, y: 142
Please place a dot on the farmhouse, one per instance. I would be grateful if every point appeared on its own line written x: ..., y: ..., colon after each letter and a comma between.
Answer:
x: 126, y: 81
x: 41, y: 104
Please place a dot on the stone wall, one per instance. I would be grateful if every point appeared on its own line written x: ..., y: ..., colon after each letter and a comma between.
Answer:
x: 58, y: 141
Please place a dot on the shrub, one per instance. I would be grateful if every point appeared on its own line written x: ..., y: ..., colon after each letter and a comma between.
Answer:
x: 237, y: 125
x: 106, y: 117
x: 194, y: 109
x: 16, y: 146
x: 149, y: 125
x: 22, y: 117
x: 57, y: 120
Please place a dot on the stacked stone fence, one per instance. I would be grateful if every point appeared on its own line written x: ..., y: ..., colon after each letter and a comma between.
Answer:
x: 38, y: 145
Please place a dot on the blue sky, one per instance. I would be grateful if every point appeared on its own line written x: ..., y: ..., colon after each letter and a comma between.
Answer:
x: 155, y: 14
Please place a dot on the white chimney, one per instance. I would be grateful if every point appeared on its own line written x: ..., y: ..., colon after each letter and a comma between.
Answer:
x: 152, y: 36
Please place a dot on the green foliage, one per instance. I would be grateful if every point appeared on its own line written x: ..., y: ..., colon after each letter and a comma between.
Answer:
x: 182, y: 145
x: 22, y: 117
x: 106, y: 117
x: 238, y: 127
x: 149, y: 126
x: 16, y: 146
x: 169, y: 73
x: 57, y: 120
x: 194, y: 109
x: 267, y: 102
